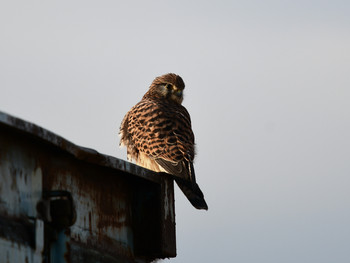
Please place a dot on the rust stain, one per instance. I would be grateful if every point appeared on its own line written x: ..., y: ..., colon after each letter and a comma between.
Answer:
x: 68, y: 248
x: 13, y: 171
x: 104, y: 190
x: 90, y: 223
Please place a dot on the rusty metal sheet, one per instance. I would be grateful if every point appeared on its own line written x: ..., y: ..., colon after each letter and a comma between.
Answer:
x: 122, y: 212
x: 21, y: 231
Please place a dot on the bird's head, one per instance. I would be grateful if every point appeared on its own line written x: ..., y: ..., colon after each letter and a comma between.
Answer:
x: 169, y: 86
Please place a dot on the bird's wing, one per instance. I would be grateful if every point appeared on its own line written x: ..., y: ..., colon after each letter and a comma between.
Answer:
x: 174, y: 168
x: 164, y: 135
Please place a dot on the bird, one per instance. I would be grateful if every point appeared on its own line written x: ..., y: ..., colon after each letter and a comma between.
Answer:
x: 158, y: 135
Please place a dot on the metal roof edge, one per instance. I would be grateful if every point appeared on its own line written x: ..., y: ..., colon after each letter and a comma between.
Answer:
x: 79, y: 152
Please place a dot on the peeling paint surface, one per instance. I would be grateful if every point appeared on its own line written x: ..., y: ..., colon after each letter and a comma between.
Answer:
x: 122, y: 212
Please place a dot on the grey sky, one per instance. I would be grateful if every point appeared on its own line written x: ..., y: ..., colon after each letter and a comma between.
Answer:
x: 268, y: 89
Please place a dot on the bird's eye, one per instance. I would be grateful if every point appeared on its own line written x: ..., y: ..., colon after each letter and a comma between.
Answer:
x: 168, y: 86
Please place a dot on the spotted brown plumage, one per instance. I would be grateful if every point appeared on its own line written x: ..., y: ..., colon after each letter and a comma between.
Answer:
x: 158, y: 135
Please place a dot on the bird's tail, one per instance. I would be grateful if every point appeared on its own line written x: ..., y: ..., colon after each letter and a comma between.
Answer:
x: 193, y: 193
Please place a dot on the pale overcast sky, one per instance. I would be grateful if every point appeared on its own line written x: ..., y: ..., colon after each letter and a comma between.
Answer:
x: 268, y: 89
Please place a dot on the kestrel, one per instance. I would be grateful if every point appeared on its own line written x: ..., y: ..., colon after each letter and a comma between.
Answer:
x: 158, y: 135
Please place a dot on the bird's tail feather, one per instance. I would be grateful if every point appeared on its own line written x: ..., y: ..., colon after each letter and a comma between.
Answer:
x: 193, y: 193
